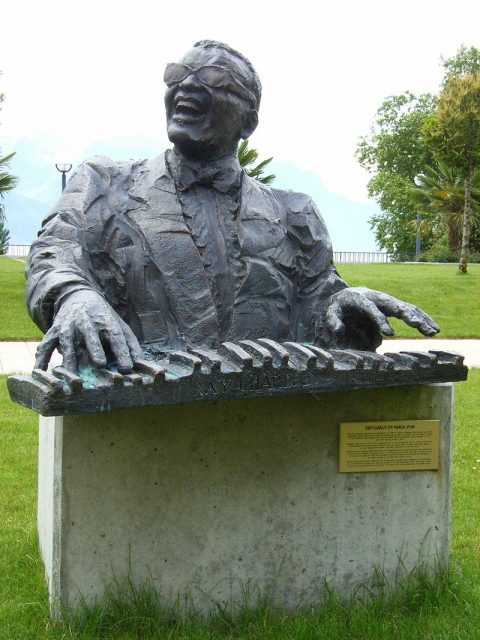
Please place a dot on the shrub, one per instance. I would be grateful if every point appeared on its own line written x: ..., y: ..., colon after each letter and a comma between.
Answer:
x: 443, y: 254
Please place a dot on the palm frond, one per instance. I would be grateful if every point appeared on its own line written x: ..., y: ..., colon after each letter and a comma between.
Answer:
x: 7, y: 181
x: 439, y: 196
x: 247, y: 157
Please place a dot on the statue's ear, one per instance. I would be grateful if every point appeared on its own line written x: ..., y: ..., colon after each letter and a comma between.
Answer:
x: 249, y: 124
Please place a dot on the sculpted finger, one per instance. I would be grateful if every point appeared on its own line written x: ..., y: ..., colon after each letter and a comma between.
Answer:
x: 369, y: 309
x: 120, y: 350
x: 405, y: 311
x: 333, y: 319
x: 66, y: 343
x: 45, y: 349
x: 387, y: 304
x: 428, y: 320
x: 92, y: 343
x: 136, y: 352
x: 418, y: 319
x: 67, y: 349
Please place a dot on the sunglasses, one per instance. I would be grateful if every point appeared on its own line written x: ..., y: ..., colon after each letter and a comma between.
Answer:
x: 211, y: 75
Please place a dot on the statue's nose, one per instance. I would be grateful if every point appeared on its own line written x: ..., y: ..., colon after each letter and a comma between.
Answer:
x: 189, y: 81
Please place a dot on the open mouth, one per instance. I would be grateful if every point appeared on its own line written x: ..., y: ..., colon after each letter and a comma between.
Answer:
x: 188, y: 109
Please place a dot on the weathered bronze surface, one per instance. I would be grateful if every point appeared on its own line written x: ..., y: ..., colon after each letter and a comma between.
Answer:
x: 187, y: 253
x: 245, y: 369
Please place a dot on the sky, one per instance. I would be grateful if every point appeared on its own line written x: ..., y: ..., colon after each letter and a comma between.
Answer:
x: 86, y: 77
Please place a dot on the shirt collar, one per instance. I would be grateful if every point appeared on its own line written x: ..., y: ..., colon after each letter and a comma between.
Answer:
x: 222, y: 174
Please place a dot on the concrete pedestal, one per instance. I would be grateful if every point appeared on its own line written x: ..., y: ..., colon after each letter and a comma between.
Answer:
x: 209, y: 496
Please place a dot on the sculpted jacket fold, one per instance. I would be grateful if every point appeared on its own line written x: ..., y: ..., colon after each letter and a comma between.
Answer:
x: 119, y: 229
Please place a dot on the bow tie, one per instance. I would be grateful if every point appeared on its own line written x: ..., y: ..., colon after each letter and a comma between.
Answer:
x: 221, y: 176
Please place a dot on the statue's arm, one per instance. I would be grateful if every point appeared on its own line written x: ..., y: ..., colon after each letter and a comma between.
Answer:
x: 58, y: 263
x: 330, y: 312
x: 316, y: 278
x: 63, y: 295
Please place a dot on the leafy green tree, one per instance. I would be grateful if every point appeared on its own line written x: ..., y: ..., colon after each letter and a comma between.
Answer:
x: 4, y: 238
x: 247, y: 157
x: 474, y: 242
x: 466, y: 60
x: 439, y: 197
x: 454, y: 136
x: 463, y: 62
x: 7, y: 181
x: 394, y: 153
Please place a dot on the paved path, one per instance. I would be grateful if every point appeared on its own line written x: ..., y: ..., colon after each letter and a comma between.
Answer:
x: 20, y: 356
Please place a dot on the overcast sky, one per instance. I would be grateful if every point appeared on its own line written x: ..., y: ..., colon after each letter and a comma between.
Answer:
x: 78, y: 73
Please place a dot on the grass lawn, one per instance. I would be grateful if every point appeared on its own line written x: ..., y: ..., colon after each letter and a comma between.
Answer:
x: 447, y: 610
x: 451, y: 298
x: 15, y: 323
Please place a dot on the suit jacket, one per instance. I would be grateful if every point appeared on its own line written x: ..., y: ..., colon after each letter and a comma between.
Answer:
x: 119, y: 229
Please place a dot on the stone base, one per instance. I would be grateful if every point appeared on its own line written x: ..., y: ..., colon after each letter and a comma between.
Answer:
x: 209, y: 496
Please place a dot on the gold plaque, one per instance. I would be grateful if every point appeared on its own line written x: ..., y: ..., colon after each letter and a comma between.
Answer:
x: 403, y: 445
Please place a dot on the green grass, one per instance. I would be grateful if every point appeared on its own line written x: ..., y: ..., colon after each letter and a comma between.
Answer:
x: 446, y: 609
x: 451, y: 298
x: 15, y: 323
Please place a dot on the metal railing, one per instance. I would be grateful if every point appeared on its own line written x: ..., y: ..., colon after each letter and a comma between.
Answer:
x: 17, y: 250
x: 361, y: 256
x: 21, y: 250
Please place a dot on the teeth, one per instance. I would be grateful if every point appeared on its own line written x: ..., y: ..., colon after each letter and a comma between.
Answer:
x: 186, y: 111
x: 188, y: 106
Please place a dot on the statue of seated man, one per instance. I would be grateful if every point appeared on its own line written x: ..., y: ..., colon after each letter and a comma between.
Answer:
x: 187, y: 250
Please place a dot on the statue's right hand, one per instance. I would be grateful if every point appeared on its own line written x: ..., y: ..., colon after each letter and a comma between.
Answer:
x: 86, y: 324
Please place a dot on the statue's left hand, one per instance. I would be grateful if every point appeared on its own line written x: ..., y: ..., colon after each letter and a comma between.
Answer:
x: 357, y: 317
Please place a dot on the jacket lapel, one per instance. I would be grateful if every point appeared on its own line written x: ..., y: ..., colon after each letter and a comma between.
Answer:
x: 160, y: 220
x: 260, y: 219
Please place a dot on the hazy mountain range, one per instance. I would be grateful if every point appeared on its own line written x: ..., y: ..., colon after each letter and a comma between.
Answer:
x: 39, y: 187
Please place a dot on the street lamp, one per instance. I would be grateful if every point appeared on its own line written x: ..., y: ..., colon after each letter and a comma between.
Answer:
x: 418, y: 180
x: 64, y: 169
x: 417, y: 239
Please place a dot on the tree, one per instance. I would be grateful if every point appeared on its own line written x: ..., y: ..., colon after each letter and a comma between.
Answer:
x: 394, y: 153
x: 439, y: 197
x: 248, y: 157
x: 7, y: 181
x: 453, y: 133
x: 474, y: 242
x: 4, y: 238
x: 463, y: 62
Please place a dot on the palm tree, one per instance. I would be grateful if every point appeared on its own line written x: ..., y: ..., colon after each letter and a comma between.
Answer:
x: 248, y: 157
x: 440, y: 197
x: 7, y: 181
x: 4, y: 238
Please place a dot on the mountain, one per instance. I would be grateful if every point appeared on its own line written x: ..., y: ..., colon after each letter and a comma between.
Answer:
x: 39, y: 182
x: 347, y: 221
x: 24, y: 217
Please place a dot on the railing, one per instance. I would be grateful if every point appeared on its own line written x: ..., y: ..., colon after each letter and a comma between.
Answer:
x: 17, y: 250
x: 361, y: 256
x: 21, y: 250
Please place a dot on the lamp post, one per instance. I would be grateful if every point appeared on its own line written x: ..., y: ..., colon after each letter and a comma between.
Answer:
x: 417, y: 239
x: 418, y: 180
x: 64, y: 169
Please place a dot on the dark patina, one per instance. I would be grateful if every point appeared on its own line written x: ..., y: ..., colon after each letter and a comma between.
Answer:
x: 187, y: 253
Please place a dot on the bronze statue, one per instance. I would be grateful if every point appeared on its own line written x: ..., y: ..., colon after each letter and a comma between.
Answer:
x: 186, y: 250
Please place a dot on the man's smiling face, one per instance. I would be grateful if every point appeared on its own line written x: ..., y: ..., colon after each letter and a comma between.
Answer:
x: 209, y: 103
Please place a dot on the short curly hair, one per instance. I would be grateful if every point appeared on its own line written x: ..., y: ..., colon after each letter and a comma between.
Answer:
x: 256, y: 85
